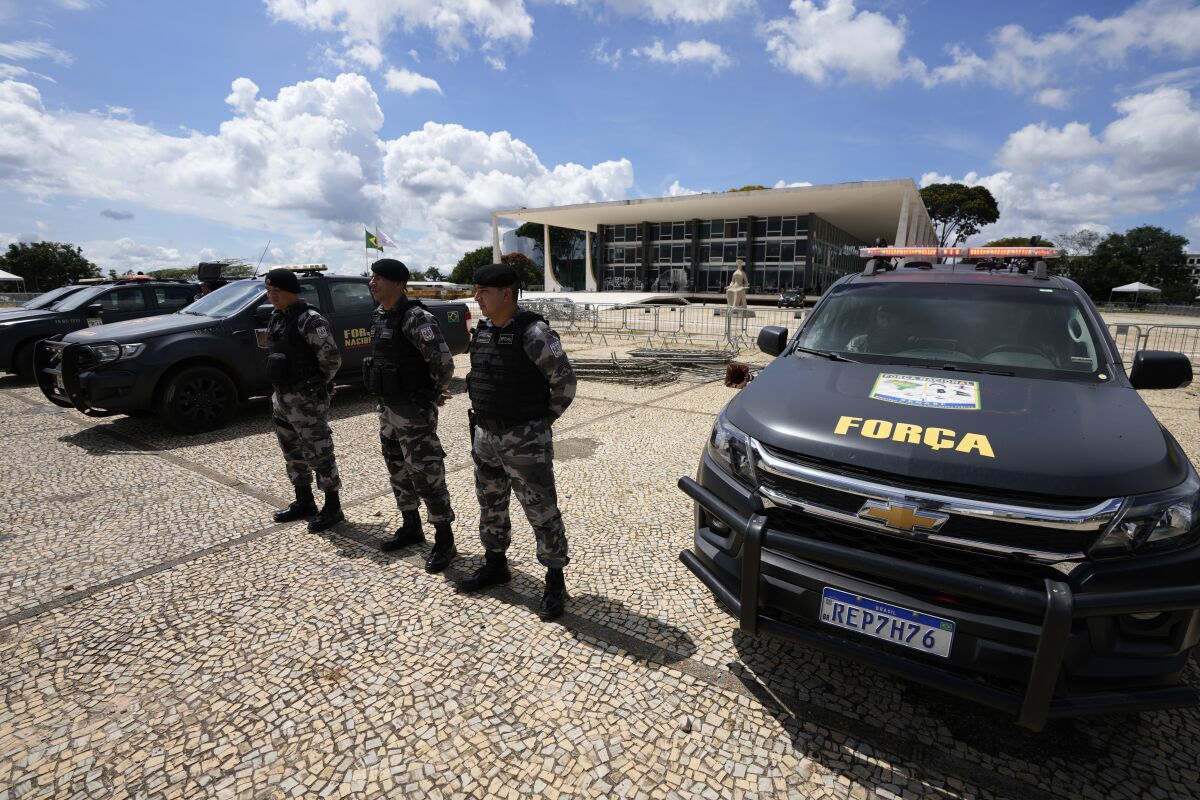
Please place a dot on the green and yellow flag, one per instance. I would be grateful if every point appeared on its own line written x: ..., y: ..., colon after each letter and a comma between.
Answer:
x: 372, y: 243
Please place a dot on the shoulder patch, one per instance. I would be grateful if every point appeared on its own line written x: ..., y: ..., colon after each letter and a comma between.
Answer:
x: 320, y: 331
x: 556, y: 347
x: 426, y: 333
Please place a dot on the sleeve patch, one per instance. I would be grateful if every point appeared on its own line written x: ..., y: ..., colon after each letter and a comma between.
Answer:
x: 556, y: 347
x: 426, y: 333
x: 320, y: 331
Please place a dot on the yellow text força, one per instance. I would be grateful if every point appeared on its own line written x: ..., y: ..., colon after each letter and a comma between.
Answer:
x: 933, y: 438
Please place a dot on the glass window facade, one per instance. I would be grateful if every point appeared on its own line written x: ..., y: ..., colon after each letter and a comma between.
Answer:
x: 801, y: 251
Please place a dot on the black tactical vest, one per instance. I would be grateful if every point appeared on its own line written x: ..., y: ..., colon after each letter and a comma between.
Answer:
x: 394, y: 354
x: 292, y: 360
x: 504, y: 384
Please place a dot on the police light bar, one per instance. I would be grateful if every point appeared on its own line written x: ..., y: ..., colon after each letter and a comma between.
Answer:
x: 302, y: 267
x: 960, y: 252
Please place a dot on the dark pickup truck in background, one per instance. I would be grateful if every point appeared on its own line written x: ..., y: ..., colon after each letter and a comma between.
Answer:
x: 194, y: 367
x: 74, y: 307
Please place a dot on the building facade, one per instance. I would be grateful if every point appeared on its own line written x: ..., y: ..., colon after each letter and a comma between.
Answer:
x: 796, y: 238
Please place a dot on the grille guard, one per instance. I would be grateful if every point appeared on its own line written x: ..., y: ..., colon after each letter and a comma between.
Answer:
x: 1057, y: 605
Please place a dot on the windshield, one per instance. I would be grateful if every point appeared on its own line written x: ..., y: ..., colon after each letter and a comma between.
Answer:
x: 77, y: 299
x: 1025, y: 330
x: 45, y: 299
x: 226, y: 301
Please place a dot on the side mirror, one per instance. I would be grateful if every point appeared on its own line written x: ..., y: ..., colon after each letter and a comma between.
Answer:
x: 772, y: 339
x: 263, y: 312
x: 1160, y: 369
x: 94, y: 310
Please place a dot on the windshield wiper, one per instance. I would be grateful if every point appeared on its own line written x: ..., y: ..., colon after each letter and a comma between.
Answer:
x: 956, y: 368
x: 826, y: 354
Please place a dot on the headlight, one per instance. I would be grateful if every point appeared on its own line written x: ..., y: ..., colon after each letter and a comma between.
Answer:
x: 1154, y: 521
x: 730, y: 448
x: 106, y: 353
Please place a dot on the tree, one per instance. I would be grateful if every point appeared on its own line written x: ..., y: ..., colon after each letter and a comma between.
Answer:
x: 47, y: 265
x: 753, y: 187
x: 231, y: 269
x: 564, y: 242
x: 959, y: 211
x: 433, y: 274
x: 531, y: 274
x: 464, y: 270
x: 1148, y: 254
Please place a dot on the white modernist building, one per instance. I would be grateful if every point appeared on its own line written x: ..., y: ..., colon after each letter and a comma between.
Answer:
x: 798, y: 238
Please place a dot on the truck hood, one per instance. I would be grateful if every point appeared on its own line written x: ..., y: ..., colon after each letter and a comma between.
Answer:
x: 23, y: 314
x: 137, y: 330
x: 1030, y: 436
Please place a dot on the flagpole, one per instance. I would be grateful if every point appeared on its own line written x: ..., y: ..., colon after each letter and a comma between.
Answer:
x: 366, y: 258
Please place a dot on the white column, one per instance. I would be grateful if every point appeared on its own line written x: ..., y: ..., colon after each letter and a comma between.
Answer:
x: 495, y: 241
x: 551, y: 283
x: 589, y: 275
x: 901, y: 237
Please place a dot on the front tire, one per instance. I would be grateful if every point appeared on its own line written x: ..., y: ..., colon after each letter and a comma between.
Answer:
x: 198, y: 399
x: 23, y: 361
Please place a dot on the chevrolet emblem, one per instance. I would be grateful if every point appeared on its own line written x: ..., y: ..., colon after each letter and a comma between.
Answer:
x: 902, y: 516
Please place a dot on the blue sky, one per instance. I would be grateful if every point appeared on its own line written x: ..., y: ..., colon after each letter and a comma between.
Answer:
x: 159, y: 133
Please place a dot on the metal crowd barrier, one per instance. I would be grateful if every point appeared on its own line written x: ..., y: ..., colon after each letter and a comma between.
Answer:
x: 599, y: 323
x: 1176, y: 338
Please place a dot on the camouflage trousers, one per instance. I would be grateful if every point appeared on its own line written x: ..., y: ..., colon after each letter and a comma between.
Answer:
x: 521, y: 458
x: 305, y: 438
x: 415, y: 458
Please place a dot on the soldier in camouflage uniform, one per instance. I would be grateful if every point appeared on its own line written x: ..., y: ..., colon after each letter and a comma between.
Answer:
x: 409, y: 370
x: 520, y: 383
x: 304, y: 358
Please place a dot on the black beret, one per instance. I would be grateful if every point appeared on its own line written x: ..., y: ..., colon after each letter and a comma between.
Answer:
x: 495, y: 275
x: 284, y: 279
x: 391, y: 269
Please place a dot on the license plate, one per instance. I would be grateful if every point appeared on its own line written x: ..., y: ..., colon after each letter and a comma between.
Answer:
x: 94, y: 321
x: 58, y: 381
x: 881, y: 620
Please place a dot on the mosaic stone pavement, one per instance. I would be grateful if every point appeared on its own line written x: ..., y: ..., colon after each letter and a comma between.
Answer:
x: 160, y: 637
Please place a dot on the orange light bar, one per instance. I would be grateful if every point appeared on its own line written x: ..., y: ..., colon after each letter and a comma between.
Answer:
x: 960, y: 252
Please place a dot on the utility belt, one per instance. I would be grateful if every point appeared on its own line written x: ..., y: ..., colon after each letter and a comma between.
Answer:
x: 496, y: 424
x: 385, y: 379
x: 280, y: 375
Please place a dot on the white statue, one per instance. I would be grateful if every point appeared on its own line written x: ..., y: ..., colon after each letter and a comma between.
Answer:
x: 735, y: 293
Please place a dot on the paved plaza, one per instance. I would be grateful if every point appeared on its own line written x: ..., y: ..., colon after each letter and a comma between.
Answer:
x: 160, y: 637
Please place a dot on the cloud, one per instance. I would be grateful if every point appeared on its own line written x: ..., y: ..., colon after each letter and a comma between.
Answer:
x: 403, y: 80
x: 1193, y: 231
x: 612, y: 59
x: 795, y: 185
x: 449, y: 179
x: 1053, y: 98
x: 12, y: 71
x: 1020, y: 60
x: 310, y: 157
x: 455, y: 23
x: 117, y: 215
x: 675, y: 190
x: 820, y: 41
x: 33, y: 49
x: 1053, y: 179
x: 691, y: 11
x: 701, y: 51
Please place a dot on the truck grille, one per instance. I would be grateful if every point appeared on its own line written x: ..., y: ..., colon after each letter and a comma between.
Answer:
x: 1039, y: 533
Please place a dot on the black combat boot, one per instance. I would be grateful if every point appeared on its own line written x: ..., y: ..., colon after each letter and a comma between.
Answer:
x: 493, y: 571
x: 304, y: 506
x: 330, y: 515
x: 409, y: 533
x: 554, y: 599
x: 443, y: 551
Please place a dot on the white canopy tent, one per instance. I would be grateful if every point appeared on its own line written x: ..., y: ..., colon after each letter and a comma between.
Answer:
x: 1137, y: 289
x: 9, y: 277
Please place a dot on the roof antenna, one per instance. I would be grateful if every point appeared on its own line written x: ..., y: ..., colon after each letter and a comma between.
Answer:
x: 260, y: 258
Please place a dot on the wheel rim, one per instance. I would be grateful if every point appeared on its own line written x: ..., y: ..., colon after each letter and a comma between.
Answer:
x: 202, y: 400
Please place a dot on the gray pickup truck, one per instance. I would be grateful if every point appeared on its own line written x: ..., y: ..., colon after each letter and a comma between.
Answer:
x: 193, y: 367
